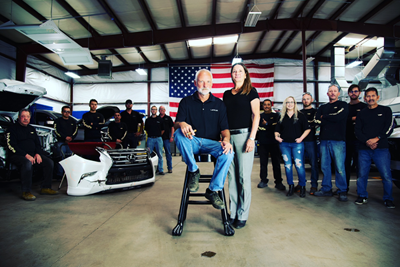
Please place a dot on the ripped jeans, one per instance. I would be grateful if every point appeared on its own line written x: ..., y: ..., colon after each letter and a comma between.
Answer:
x: 295, y: 151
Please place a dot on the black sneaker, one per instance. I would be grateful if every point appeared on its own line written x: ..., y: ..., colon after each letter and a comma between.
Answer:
x: 297, y: 188
x: 343, y: 196
x: 389, y: 204
x: 262, y: 184
x: 194, y: 181
x: 361, y: 200
x: 215, y: 199
x: 280, y: 186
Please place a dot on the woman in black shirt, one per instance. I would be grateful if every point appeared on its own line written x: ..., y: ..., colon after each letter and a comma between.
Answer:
x: 243, y: 109
x: 290, y: 131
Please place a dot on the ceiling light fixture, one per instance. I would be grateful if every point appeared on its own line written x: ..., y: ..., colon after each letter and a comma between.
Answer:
x: 237, y: 58
x: 50, y: 36
x: 252, y: 17
x: 72, y: 75
x: 141, y: 71
x: 226, y: 39
x: 200, y: 42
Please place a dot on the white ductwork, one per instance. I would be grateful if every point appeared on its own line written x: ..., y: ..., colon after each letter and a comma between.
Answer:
x: 340, y: 69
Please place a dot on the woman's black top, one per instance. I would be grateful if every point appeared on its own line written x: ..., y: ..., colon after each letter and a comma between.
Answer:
x: 291, y: 129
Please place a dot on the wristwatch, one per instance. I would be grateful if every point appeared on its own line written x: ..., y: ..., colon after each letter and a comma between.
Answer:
x: 251, y: 138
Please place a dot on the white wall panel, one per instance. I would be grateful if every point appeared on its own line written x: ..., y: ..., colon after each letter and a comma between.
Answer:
x: 110, y: 93
x: 159, y: 92
x: 56, y: 89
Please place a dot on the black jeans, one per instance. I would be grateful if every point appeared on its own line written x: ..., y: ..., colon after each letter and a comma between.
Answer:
x: 274, y: 150
x: 131, y: 140
x: 26, y: 169
x: 351, y: 153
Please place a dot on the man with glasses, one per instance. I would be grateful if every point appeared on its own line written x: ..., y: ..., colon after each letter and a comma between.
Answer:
x: 66, y: 131
x: 332, y: 119
x: 310, y: 142
x: 154, y: 126
x: 355, y: 106
x: 116, y: 129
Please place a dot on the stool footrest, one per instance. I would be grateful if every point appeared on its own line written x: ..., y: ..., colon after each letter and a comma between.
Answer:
x: 186, y: 194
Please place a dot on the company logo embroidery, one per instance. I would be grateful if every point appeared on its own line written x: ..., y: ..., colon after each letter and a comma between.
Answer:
x: 213, y: 109
x: 334, y: 107
x: 379, y: 115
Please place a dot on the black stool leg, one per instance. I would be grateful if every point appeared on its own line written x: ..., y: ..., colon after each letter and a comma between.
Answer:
x: 177, y: 231
x: 228, y: 230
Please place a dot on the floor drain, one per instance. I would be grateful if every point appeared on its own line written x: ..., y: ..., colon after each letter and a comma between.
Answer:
x: 209, y: 254
x: 352, y: 229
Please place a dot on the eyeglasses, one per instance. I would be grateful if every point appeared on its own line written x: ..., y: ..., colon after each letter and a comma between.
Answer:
x: 65, y: 111
x: 290, y: 102
x: 154, y: 109
x: 354, y: 92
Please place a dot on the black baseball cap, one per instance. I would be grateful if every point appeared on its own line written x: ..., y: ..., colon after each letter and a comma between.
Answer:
x: 128, y: 101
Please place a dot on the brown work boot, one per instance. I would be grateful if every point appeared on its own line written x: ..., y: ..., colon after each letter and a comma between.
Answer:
x: 28, y: 196
x: 48, y: 191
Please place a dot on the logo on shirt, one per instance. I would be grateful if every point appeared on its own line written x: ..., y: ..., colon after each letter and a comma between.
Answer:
x: 213, y: 109
x: 358, y: 109
x: 379, y: 115
x: 334, y: 107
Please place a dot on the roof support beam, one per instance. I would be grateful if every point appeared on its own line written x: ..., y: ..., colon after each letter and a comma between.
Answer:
x: 146, y: 12
x: 181, y: 14
x: 275, y: 13
x: 30, y: 10
x: 178, y: 35
x: 142, y: 55
x: 113, y: 17
x: 121, y: 58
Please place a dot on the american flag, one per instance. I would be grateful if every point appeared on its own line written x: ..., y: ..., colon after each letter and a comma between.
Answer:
x: 181, y: 82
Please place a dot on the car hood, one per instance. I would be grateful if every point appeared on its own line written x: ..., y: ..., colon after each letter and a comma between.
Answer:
x: 107, y: 111
x: 15, y: 95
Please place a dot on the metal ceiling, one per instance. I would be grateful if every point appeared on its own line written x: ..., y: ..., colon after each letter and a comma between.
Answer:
x: 154, y: 33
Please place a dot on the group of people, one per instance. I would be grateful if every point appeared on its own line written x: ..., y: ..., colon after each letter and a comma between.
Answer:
x: 354, y: 132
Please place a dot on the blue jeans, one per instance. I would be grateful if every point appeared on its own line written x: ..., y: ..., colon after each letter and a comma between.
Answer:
x: 66, y: 152
x: 190, y: 147
x: 158, y: 145
x: 311, y: 149
x: 168, y: 155
x: 381, y: 157
x: 335, y: 150
x: 296, y: 151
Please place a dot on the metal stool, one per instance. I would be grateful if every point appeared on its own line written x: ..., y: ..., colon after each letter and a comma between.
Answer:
x: 177, y: 231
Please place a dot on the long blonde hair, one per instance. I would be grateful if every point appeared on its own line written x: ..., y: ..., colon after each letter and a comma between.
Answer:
x: 284, y: 109
x: 246, y: 87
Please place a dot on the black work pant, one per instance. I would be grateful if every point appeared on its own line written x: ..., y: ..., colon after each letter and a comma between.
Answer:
x: 26, y: 169
x: 351, y: 154
x: 275, y: 152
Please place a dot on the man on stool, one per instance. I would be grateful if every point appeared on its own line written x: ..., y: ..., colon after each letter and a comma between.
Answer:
x: 24, y: 150
x: 200, y: 122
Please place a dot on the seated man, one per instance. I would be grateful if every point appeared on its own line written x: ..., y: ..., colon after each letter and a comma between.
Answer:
x: 117, y: 130
x: 200, y: 123
x: 24, y: 150
x: 66, y: 131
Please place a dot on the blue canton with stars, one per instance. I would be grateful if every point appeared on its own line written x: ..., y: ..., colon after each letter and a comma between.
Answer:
x: 181, y: 80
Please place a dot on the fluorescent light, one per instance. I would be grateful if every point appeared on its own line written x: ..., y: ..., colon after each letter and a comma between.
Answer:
x: 236, y: 60
x: 354, y: 64
x: 252, y: 18
x: 72, y: 75
x: 226, y: 39
x: 50, y: 36
x: 141, y: 71
x: 200, y: 42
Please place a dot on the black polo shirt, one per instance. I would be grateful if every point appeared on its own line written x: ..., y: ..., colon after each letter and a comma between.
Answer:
x: 208, y: 118
x: 265, y: 134
x: 353, y: 111
x: 291, y: 129
x: 168, y: 124
x: 310, y: 115
x: 154, y: 126
x: 333, y: 121
x: 371, y: 123
x: 132, y: 120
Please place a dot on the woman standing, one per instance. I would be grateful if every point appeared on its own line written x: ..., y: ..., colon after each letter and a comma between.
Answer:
x: 243, y: 109
x: 290, y: 131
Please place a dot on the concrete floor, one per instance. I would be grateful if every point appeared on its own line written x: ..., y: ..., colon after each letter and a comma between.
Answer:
x: 133, y: 228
